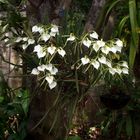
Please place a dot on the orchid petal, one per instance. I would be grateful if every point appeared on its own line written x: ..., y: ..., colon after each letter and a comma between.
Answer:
x: 61, y: 52
x: 35, y: 71
x: 51, y: 49
x: 87, y: 42
x: 52, y: 85
x: 94, y: 35
x: 49, y: 79
x: 95, y: 63
x: 102, y: 60
x: 41, y: 67
x: 85, y: 60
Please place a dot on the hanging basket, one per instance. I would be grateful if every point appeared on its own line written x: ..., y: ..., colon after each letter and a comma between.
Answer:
x: 115, y: 101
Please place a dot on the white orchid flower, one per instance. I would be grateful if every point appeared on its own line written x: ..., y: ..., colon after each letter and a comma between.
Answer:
x: 105, y: 49
x: 41, y: 53
x: 18, y: 39
x: 102, y: 60
x: 49, y: 79
x: 35, y: 71
x: 119, y: 43
x: 51, y: 49
x: 96, y: 47
x: 95, y: 63
x: 71, y: 38
x: 53, y: 71
x: 25, y: 39
x: 87, y: 42
x: 6, y: 40
x: 54, y: 29
x: 24, y: 46
x: 125, y: 70
x: 108, y: 63
x: 113, y: 49
x: 9, y: 34
x: 61, y: 52
x: 100, y: 43
x: 52, y: 85
x: 37, y: 29
x: 40, y: 30
x: 112, y: 71
x: 119, y: 49
x: 37, y: 48
x: 94, y: 35
x: 31, y: 41
x: 53, y: 34
x: 118, y: 70
x: 85, y: 60
x: 124, y: 64
x: 49, y: 67
x: 93, y: 129
x: 41, y: 67
x: 45, y: 37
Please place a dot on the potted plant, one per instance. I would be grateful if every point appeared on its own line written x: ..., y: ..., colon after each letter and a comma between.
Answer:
x: 116, y: 91
x: 115, y: 98
x: 68, y: 65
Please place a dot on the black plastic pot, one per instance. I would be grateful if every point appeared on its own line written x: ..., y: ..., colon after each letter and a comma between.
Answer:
x: 115, y: 101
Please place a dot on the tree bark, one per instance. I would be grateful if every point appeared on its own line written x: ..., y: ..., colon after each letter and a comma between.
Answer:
x: 98, y: 21
x: 45, y: 11
x: 93, y: 14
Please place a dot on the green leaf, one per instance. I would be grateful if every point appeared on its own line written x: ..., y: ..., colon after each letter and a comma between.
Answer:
x: 54, y: 121
x: 105, y: 11
x: 129, y: 128
x: 74, y: 138
x: 113, y: 4
x: 121, y: 25
x: 132, y: 53
x: 134, y: 31
x: 119, y: 127
x: 3, y: 1
x: 25, y: 101
x: 138, y: 11
x: 77, y: 83
x: 1, y: 99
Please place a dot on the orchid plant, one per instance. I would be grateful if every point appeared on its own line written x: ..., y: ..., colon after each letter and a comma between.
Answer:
x: 84, y: 60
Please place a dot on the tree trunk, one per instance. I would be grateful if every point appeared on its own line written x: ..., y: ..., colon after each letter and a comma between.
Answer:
x: 93, y: 14
x: 45, y: 11
x: 98, y: 21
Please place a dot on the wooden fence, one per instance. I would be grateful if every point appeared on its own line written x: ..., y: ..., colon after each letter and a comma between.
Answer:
x: 12, y: 73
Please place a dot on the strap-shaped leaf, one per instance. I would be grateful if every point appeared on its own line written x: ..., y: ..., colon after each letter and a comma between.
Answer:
x: 121, y: 24
x: 4, y: 1
x: 129, y: 127
x: 134, y: 31
x: 132, y: 53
